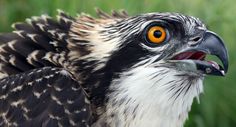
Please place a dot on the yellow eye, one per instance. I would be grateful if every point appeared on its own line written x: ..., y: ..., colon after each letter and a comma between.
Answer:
x: 156, y: 34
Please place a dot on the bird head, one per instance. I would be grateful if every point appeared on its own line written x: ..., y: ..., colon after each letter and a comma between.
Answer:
x: 149, y: 67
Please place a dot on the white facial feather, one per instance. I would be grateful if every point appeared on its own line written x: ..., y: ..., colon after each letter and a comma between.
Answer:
x: 153, y: 97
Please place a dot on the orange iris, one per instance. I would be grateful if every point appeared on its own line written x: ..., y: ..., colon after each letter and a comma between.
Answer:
x: 156, y: 34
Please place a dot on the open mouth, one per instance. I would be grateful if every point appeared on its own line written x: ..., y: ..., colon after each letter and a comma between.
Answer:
x: 199, y: 57
x: 193, y: 58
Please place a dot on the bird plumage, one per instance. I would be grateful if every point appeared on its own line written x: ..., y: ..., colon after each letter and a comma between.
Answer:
x: 40, y: 98
x: 104, y: 71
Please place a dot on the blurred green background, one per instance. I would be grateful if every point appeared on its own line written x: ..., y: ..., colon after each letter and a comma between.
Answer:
x: 217, y: 107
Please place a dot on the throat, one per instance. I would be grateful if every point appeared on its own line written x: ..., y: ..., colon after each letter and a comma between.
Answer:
x: 153, y: 97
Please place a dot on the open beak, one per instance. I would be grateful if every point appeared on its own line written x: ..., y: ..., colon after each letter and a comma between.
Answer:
x: 211, y: 44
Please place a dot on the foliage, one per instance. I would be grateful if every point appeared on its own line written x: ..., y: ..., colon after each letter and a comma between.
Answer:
x: 218, y: 105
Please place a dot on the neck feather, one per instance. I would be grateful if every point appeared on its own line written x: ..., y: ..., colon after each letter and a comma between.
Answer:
x: 154, y: 97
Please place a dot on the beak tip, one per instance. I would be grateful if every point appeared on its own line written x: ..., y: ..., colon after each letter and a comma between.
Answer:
x: 226, y: 69
x: 226, y: 62
x: 223, y: 73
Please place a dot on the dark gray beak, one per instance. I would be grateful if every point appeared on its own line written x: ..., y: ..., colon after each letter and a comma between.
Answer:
x: 195, y: 54
x: 212, y: 44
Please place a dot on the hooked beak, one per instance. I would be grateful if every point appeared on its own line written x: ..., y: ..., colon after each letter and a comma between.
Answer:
x: 211, y: 44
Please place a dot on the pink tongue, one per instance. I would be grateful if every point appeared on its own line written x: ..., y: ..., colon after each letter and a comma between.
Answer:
x: 214, y: 64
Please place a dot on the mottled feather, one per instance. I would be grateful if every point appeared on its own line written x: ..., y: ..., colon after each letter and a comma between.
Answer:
x: 40, y: 98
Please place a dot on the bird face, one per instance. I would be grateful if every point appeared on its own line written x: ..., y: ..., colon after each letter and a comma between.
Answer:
x: 168, y: 40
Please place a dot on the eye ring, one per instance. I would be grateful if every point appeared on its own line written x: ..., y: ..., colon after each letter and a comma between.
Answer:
x: 156, y: 34
x: 163, y: 34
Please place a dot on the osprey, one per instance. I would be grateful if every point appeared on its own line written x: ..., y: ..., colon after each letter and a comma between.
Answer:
x: 112, y: 71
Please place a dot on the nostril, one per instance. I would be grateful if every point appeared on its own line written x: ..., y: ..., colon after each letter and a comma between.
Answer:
x: 196, y: 38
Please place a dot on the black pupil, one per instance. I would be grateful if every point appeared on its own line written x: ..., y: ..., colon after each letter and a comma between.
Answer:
x: 157, y: 34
